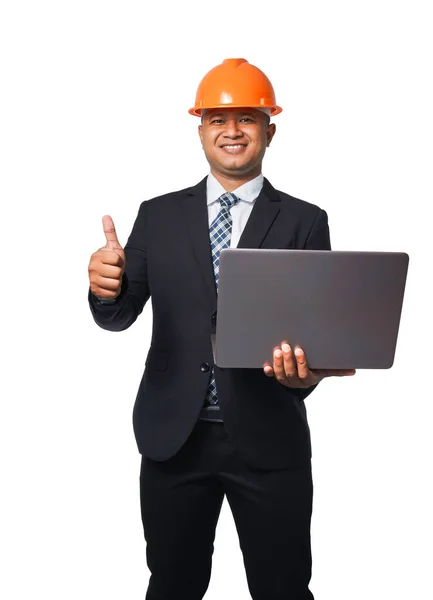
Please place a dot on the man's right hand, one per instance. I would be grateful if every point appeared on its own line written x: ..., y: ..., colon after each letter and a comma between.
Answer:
x: 107, y: 264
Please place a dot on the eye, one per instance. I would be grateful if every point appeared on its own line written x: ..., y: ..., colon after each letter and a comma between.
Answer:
x: 216, y: 121
x: 247, y: 119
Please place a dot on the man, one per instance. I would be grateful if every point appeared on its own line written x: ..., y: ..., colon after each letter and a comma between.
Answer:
x: 205, y: 432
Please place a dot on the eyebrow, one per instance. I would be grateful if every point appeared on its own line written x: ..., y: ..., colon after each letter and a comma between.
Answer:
x: 221, y: 114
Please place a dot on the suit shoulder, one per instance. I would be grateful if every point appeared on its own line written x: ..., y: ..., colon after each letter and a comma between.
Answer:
x: 167, y: 197
x: 301, y: 206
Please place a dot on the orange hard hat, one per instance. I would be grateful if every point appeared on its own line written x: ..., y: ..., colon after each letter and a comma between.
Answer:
x: 235, y: 84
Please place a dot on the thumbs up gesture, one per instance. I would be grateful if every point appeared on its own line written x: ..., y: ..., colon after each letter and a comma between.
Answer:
x: 107, y: 264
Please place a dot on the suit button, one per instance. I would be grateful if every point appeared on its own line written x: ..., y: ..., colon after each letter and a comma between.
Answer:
x: 204, y: 367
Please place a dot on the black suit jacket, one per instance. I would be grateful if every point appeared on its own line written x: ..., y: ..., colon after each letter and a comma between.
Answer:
x: 168, y: 259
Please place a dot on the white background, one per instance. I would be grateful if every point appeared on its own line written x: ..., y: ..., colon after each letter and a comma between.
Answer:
x: 94, y: 99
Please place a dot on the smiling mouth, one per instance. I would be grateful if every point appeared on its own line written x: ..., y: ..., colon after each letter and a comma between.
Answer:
x: 233, y: 148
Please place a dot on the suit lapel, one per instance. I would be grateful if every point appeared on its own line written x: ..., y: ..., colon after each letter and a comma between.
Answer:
x: 265, y: 211
x: 195, y: 216
x: 195, y: 213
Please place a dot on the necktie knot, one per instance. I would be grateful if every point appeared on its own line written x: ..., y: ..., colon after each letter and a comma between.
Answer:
x: 228, y: 200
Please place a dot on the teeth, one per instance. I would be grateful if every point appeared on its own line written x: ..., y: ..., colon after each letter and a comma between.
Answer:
x: 235, y: 147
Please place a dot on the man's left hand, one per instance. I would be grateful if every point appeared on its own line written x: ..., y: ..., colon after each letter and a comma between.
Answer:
x: 291, y: 370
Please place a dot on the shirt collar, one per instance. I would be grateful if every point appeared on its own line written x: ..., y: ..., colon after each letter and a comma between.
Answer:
x: 248, y: 191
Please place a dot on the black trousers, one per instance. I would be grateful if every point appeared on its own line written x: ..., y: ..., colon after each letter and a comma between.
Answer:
x: 180, y: 504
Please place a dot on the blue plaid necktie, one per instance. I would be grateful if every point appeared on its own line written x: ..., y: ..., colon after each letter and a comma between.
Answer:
x: 220, y: 233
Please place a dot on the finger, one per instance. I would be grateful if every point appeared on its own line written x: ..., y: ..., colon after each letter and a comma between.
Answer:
x: 112, y: 257
x: 105, y: 283
x: 110, y: 233
x: 278, y: 366
x: 340, y: 372
x: 269, y: 371
x: 105, y: 294
x: 304, y: 372
x: 289, y: 361
x: 110, y: 271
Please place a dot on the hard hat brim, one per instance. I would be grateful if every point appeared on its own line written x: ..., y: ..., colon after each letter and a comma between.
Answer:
x: 197, y: 112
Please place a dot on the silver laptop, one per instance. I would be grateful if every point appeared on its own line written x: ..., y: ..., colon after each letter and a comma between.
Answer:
x: 343, y: 308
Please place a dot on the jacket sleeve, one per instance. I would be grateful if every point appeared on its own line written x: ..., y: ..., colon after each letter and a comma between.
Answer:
x: 135, y: 290
x: 318, y: 237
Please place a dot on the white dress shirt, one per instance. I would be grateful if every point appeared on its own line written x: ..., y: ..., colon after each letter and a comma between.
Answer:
x: 240, y: 212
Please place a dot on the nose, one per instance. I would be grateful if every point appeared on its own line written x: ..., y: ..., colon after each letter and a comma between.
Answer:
x: 232, y: 129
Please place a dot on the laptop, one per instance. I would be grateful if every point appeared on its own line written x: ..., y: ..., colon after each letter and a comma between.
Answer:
x: 342, y: 308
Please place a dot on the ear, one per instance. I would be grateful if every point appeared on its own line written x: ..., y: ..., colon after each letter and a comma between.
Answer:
x: 270, y: 132
x: 200, y: 133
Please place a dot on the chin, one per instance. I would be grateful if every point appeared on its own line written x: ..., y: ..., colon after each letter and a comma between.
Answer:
x: 237, y: 166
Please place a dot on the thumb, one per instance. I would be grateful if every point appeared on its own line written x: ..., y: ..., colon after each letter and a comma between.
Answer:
x: 110, y: 233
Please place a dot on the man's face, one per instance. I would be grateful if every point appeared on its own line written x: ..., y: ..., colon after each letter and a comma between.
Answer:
x: 235, y: 140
